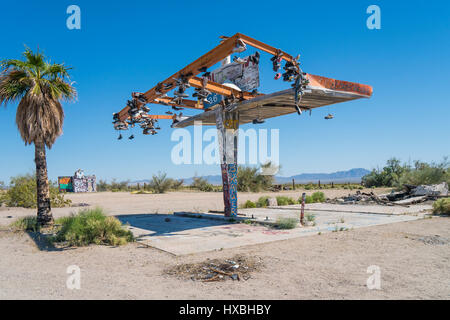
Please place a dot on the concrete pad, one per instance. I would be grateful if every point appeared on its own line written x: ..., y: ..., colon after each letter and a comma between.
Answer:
x: 181, y: 235
x: 362, y: 208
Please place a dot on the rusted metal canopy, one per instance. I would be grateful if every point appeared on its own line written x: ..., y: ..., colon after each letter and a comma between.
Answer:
x: 319, y: 93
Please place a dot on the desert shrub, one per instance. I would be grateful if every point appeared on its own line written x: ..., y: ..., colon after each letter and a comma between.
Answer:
x: 262, y: 202
x: 310, y: 217
x: 160, y: 183
x: 22, y: 193
x: 26, y: 224
x: 286, y: 223
x: 92, y: 226
x: 177, y: 184
x: 251, y: 179
x: 441, y: 206
x: 424, y: 173
x: 202, y: 184
x: 396, y: 175
x: 315, y: 197
x: 283, y: 201
x: 118, y: 186
x: 249, y: 204
x: 318, y: 197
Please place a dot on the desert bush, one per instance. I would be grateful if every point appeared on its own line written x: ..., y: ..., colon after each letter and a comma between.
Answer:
x: 102, y: 185
x: 283, y: 201
x: 424, y: 173
x: 441, y: 206
x: 118, y: 186
x: 91, y: 226
x: 396, y: 175
x: 160, y: 183
x: 249, y: 204
x: 262, y: 202
x: 310, y: 217
x: 318, y: 197
x: 202, y: 184
x: 286, y: 223
x: 22, y: 193
x: 177, y: 184
x: 251, y: 179
x: 315, y: 197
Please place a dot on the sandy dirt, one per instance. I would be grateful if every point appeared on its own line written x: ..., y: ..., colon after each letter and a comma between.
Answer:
x: 332, y: 265
x: 116, y: 203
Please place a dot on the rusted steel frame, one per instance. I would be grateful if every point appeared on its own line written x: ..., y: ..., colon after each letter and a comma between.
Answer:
x: 264, y: 47
x: 186, y: 103
x: 207, y: 60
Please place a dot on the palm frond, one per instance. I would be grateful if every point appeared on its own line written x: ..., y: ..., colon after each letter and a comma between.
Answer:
x: 39, y: 85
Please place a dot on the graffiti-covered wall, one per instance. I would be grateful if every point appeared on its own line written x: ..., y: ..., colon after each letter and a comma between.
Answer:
x: 77, y: 183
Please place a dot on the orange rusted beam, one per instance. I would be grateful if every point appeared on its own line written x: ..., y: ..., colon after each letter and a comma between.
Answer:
x: 207, y: 60
x: 220, y: 89
x: 191, y: 104
x: 340, y: 85
x: 159, y: 116
x: 264, y: 47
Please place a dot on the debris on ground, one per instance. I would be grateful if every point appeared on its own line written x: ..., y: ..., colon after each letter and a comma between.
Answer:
x: 237, y: 268
x: 433, y: 240
x: 410, y: 195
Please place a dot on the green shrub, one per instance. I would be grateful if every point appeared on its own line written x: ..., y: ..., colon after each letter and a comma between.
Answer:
x: 286, y: 223
x: 310, y: 217
x: 315, y: 197
x: 251, y: 180
x: 318, y: 197
x: 177, y: 184
x: 396, y: 175
x: 442, y: 206
x: 92, y: 226
x: 22, y: 193
x: 249, y: 204
x: 26, y: 224
x: 262, y: 202
x: 283, y: 201
x: 202, y: 184
x: 160, y: 183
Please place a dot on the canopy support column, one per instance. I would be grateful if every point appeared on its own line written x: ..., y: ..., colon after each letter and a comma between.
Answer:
x: 227, y: 132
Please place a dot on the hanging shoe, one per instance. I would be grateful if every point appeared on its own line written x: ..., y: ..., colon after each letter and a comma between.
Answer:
x: 239, y: 47
x: 239, y: 60
x: 254, y: 58
x: 169, y: 112
x: 277, y: 76
x: 258, y: 121
x: 120, y: 137
x: 329, y: 116
x: 131, y: 137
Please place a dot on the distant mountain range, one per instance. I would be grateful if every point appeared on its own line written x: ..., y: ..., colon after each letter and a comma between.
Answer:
x: 353, y: 175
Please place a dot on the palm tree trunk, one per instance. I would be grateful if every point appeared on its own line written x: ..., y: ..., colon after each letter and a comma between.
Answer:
x: 44, y: 214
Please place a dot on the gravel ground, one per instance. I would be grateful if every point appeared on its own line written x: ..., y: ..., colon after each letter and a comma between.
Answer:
x: 413, y: 258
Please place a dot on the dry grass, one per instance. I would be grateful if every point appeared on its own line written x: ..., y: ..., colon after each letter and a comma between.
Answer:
x: 237, y: 268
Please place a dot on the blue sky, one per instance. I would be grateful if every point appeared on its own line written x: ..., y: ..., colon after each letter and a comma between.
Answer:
x: 130, y: 46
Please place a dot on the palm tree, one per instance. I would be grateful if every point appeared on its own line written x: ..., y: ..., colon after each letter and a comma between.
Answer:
x: 39, y: 86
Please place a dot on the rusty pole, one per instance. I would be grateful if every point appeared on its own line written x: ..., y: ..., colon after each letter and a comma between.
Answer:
x: 302, y: 210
